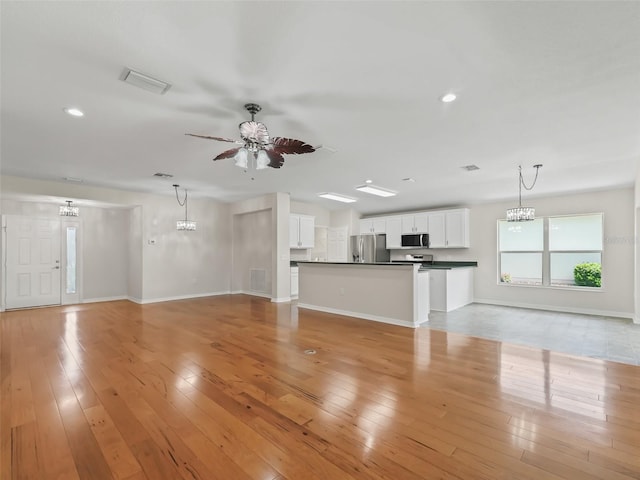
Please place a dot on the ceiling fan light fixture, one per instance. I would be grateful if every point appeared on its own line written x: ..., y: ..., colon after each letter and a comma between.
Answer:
x: 242, y: 158
x: 337, y: 197
x: 262, y: 160
x: 379, y: 191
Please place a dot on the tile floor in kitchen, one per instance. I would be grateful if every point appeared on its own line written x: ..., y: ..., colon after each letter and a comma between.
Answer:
x: 607, y: 338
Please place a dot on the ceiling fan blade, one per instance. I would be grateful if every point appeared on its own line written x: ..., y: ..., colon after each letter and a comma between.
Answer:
x: 228, y: 154
x: 290, y: 146
x: 220, y: 139
x: 277, y: 160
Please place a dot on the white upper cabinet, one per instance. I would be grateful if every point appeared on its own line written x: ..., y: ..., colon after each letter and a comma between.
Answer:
x: 394, y: 232
x: 415, y: 223
x: 301, y: 231
x: 457, y: 228
x: 436, y: 230
x: 373, y: 225
x: 446, y: 228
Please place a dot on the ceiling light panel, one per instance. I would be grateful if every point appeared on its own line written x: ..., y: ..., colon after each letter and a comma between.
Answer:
x: 337, y: 197
x: 379, y: 191
x: 144, y: 81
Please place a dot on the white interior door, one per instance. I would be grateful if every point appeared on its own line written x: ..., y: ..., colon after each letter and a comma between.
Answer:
x: 32, y: 261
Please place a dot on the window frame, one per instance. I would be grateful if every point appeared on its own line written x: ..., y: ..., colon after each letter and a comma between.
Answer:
x: 546, y: 257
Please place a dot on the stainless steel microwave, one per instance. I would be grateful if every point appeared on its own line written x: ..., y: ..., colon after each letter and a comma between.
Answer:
x: 415, y: 240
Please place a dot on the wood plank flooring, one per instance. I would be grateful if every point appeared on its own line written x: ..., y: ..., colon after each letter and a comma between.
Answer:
x: 220, y: 388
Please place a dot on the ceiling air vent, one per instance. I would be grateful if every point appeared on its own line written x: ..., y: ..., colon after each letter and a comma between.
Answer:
x: 144, y: 81
x: 163, y: 175
x: 470, y: 168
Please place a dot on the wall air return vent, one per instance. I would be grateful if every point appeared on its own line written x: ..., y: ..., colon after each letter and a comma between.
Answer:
x: 144, y: 81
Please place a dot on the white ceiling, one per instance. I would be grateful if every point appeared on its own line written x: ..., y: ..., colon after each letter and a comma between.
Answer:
x: 556, y: 83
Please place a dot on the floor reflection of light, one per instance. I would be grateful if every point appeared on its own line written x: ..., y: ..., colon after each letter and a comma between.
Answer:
x: 71, y: 340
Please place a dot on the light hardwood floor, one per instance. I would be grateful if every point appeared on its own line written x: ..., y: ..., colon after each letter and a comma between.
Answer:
x: 220, y: 388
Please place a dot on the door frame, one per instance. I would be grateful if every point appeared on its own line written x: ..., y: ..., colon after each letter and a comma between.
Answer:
x: 65, y: 299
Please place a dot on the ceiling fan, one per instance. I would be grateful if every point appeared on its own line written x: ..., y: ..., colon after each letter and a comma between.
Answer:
x: 267, y: 152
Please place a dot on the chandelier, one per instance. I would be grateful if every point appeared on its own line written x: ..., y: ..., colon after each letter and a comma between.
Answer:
x: 68, y: 210
x: 520, y: 213
x: 185, y: 224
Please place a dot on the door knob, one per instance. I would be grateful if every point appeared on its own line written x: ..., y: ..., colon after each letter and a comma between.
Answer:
x: 57, y: 267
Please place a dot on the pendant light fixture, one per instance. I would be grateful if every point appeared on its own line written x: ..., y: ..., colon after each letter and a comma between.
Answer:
x: 68, y: 210
x: 185, y: 224
x: 520, y: 213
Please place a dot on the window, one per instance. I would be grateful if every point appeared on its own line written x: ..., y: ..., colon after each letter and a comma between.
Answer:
x: 555, y: 251
x: 521, y: 247
x: 71, y: 260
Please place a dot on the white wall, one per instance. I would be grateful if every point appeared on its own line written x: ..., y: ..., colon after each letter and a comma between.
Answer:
x: 252, y: 249
x: 346, y: 218
x: 617, y: 295
x: 279, y: 206
x: 105, y: 259
x: 321, y: 214
x: 105, y: 233
x: 179, y: 265
x: 134, y: 274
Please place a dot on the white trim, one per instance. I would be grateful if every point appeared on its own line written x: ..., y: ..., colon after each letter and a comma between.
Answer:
x: 281, y: 300
x: 365, y: 316
x: 178, y: 297
x: 249, y: 292
x: 104, y: 299
x: 556, y: 308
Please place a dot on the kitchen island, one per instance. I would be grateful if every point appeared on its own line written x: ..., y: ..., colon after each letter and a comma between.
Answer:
x: 396, y: 293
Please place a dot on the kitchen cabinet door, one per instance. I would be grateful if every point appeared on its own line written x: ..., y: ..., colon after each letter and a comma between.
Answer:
x: 337, y: 244
x: 301, y: 231
x: 457, y: 228
x: 421, y: 222
x: 394, y: 232
x: 436, y: 230
x: 373, y: 225
x: 408, y: 225
x: 307, y: 231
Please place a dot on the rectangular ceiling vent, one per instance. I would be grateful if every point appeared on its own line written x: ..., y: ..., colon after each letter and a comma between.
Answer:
x: 163, y: 175
x: 470, y: 168
x: 144, y: 81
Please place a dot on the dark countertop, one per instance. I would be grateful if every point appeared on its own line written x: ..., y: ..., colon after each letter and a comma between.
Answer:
x: 425, y: 266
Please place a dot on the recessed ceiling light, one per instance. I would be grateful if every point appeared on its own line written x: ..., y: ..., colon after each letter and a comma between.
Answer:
x: 74, y: 112
x: 448, y: 98
x: 373, y: 190
x: 337, y: 197
x: 368, y: 181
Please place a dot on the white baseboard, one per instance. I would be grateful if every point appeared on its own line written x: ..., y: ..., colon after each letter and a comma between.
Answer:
x: 281, y: 300
x: 105, y: 299
x: 178, y: 297
x: 556, y: 308
x: 248, y: 292
x: 365, y: 316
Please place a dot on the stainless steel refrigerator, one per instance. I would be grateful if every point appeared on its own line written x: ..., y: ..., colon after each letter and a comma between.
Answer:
x: 369, y: 248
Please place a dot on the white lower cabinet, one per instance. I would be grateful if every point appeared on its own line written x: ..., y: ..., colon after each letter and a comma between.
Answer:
x: 294, y: 281
x: 450, y: 289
